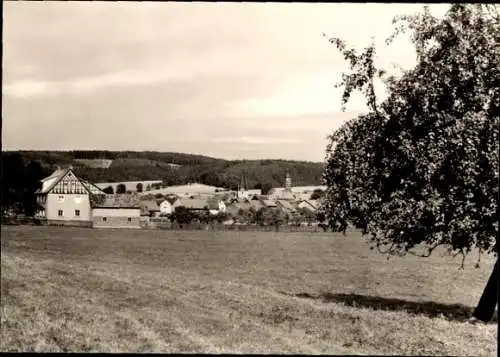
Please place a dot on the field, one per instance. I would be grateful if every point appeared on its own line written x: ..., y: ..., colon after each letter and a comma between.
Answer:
x: 200, y: 291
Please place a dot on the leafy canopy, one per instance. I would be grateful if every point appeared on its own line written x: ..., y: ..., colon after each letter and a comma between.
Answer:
x: 420, y: 169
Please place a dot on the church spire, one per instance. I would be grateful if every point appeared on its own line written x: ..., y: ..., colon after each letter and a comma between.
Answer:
x: 243, y: 182
x: 288, y: 181
x: 242, y: 187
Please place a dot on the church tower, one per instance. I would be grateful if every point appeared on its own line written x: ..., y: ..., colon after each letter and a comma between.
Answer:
x: 243, y: 187
x: 288, y: 181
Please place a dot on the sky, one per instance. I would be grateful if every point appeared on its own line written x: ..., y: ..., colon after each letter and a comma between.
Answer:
x: 228, y: 80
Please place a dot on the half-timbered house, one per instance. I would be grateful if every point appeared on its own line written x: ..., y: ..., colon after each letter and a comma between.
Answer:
x: 65, y: 199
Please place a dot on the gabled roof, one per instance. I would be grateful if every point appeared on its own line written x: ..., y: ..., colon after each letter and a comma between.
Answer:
x: 307, y: 203
x: 51, y: 181
x: 314, y: 203
x: 57, y: 173
x: 269, y: 203
x: 93, y: 189
x: 286, y: 205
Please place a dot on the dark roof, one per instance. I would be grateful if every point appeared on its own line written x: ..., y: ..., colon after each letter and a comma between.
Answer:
x: 171, y: 199
x: 120, y: 201
x: 269, y: 203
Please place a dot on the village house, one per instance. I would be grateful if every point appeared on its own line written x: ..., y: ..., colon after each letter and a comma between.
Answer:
x: 65, y: 199
x: 117, y: 211
x: 216, y: 205
x: 310, y: 205
x: 285, y: 193
x: 285, y: 206
x: 169, y: 204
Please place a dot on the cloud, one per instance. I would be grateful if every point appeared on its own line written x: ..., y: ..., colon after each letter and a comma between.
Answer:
x: 88, y: 84
x: 256, y: 140
x: 29, y: 88
x: 229, y: 79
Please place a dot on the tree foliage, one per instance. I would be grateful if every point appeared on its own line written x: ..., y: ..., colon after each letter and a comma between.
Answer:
x: 147, y: 165
x: 19, y: 181
x: 421, y: 167
x: 109, y: 190
x: 182, y: 215
x: 317, y: 194
x: 121, y: 188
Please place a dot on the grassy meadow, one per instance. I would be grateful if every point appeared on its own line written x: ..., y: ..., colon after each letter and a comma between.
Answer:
x: 78, y: 290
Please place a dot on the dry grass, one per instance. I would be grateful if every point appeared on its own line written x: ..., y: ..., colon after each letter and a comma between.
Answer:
x: 140, y: 291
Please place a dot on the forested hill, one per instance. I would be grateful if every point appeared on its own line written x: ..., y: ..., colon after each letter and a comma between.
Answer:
x: 175, y: 168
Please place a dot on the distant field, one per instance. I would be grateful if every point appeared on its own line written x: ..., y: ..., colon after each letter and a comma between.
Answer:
x: 95, y: 163
x: 235, y: 292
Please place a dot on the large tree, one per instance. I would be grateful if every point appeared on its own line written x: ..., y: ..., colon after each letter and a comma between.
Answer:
x: 420, y: 169
x: 19, y: 183
x: 109, y: 190
x: 121, y: 188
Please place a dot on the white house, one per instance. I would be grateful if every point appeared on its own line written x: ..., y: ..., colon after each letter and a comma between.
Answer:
x: 308, y: 204
x: 65, y: 199
x: 168, y: 206
x: 216, y: 207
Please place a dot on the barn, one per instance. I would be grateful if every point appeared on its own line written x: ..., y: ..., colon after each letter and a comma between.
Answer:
x: 117, y: 211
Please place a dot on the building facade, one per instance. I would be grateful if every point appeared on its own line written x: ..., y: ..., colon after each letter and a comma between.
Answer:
x: 168, y: 206
x: 116, y: 217
x: 65, y: 199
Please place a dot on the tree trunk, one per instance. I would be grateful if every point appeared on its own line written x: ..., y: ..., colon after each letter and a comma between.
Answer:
x: 486, y: 306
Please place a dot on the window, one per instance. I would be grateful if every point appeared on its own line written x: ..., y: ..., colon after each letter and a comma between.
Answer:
x: 130, y: 219
x: 104, y: 219
x: 77, y: 212
x: 60, y: 213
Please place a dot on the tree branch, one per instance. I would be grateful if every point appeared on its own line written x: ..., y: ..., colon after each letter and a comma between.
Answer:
x: 429, y: 251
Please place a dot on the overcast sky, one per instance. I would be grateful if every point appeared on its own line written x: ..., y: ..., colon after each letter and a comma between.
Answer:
x: 229, y: 80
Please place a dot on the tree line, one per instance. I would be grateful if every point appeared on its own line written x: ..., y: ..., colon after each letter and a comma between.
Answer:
x: 251, y: 216
x: 136, y: 166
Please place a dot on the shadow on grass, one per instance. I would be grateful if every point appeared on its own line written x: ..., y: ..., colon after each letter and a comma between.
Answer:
x: 453, y: 312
